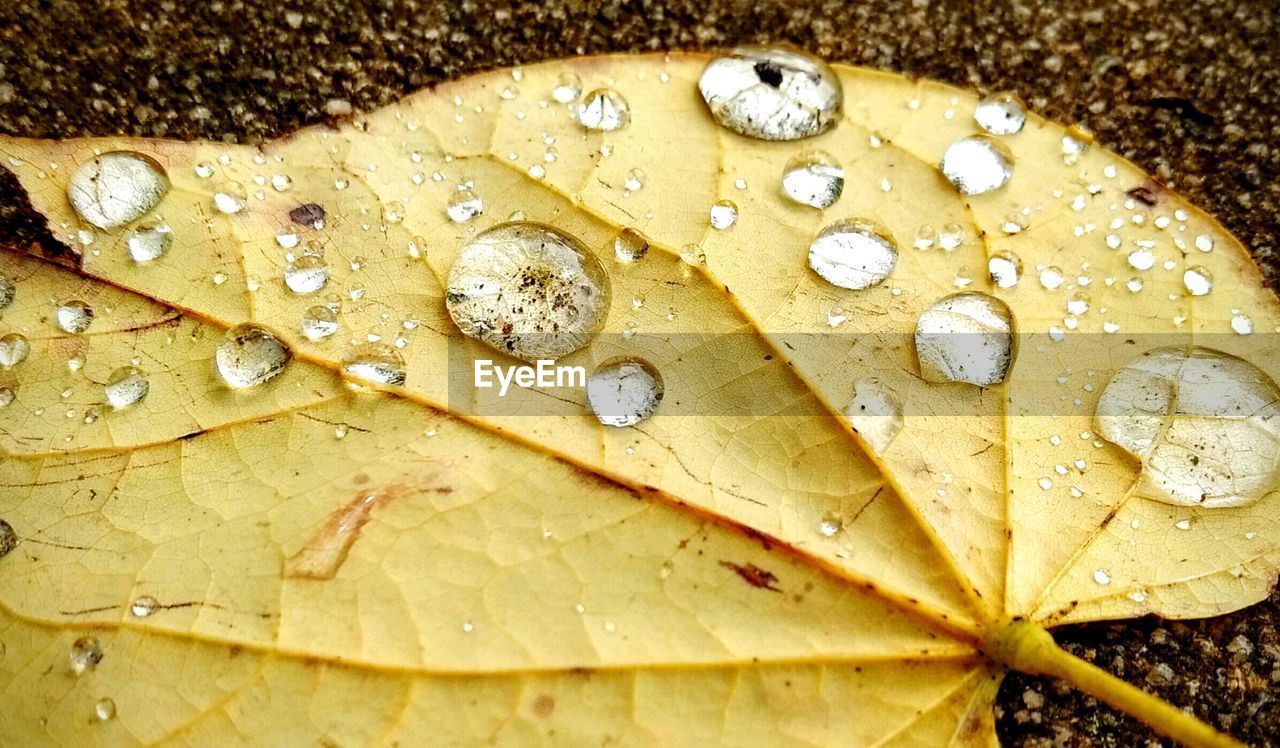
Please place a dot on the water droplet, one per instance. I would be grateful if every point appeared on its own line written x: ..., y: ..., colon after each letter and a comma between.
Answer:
x: 1141, y: 259
x: 630, y: 245
x: 634, y: 181
x: 1241, y: 324
x: 1000, y: 114
x: 723, y: 215
x: 319, y: 322
x: 529, y: 290
x: 604, y: 109
x: 86, y: 653
x: 568, y: 88
x: 8, y: 538
x: 144, y: 606
x: 813, y: 178
x: 1197, y: 280
x: 875, y: 413
x: 306, y: 275
x: 830, y: 525
x: 377, y: 363
x: 149, y: 242
x: 281, y: 182
x: 117, y: 187
x: 6, y: 396
x: 1204, y: 243
x: 977, y: 164
x: 771, y: 94
x: 8, y: 290
x: 624, y: 391
x: 464, y: 205
x: 204, y: 169
x: 1005, y: 269
x: 249, y: 356
x: 74, y: 316
x: 230, y: 199
x: 692, y: 255
x: 14, y: 349
x: 965, y: 337
x: 126, y: 386
x: 105, y: 710
x: 1204, y: 424
x: 1101, y: 576
x: 853, y: 254
x: 1078, y: 303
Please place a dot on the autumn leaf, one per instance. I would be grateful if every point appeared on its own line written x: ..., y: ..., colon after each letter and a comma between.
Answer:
x: 251, y: 495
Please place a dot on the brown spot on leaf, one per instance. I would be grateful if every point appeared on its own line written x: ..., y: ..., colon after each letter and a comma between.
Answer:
x: 543, y: 706
x: 754, y: 575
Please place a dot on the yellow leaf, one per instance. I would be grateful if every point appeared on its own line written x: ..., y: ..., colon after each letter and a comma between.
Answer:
x: 758, y: 562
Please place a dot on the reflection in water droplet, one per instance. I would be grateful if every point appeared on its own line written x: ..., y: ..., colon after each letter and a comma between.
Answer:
x: 771, y: 94
x: 567, y: 89
x: 1101, y: 576
x: 8, y: 538
x: 624, y: 391
x: 1198, y: 281
x: 1052, y: 277
x: 875, y: 412
x: 977, y: 164
x: 86, y: 653
x: 377, y: 363
x: 464, y: 205
x: 853, y: 254
x: 724, y: 214
x: 1000, y: 114
x: 830, y: 525
x: 308, y: 274
x: 8, y: 290
x: 105, y: 710
x: 813, y: 179
x: 14, y: 349
x: 529, y: 290
x: 117, y: 187
x: 1005, y: 268
x: 249, y: 356
x: 319, y: 322
x: 126, y: 386
x: 74, y: 316
x: 1205, y: 424
x: 965, y: 337
x: 604, y: 109
x: 630, y: 245
x: 230, y: 199
x: 144, y: 606
x: 149, y: 242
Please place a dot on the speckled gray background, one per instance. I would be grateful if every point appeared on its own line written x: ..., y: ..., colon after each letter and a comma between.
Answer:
x: 1189, y: 90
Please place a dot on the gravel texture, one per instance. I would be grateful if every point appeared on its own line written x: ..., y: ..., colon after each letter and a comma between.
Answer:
x: 1189, y: 90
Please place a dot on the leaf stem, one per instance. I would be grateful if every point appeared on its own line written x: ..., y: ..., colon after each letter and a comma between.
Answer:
x: 1027, y: 647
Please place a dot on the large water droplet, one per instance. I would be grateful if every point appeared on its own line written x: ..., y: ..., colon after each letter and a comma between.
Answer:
x: 624, y: 391
x: 126, y: 386
x: 117, y: 187
x: 8, y: 538
x: 1205, y: 424
x: 86, y: 653
x: 771, y: 94
x: 149, y: 242
x: 377, y: 363
x: 813, y: 179
x: 875, y: 412
x: 14, y: 349
x: 977, y: 164
x: 308, y: 274
x: 249, y: 356
x: 529, y: 290
x: 1000, y: 114
x: 965, y: 337
x: 853, y: 254
x: 74, y: 316
x: 604, y: 109
x: 319, y: 322
x: 630, y: 245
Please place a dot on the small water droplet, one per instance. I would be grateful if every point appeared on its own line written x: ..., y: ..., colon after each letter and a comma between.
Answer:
x: 105, y: 710
x: 529, y: 290
x: 624, y: 391
x: 319, y: 322
x: 281, y: 182
x: 977, y: 164
x: 724, y: 214
x: 875, y: 413
x: 1078, y: 303
x: 567, y: 89
x: 1202, y: 422
x: 813, y: 178
x: 604, y: 109
x: 1005, y: 268
x: 116, y: 188
x: 1141, y: 259
x: 6, y: 396
x: 249, y: 356
x: 149, y: 242
x: 144, y: 606
x: 1204, y: 243
x: 630, y: 245
x: 204, y: 169
x: 965, y: 337
x: 1197, y: 280
x: 692, y: 255
x: 1101, y: 576
x: 1000, y: 114
x: 14, y: 349
x: 464, y: 205
x: 74, y: 316
x: 1241, y: 324
x: 86, y: 653
x: 375, y: 363
x: 126, y: 386
x: 634, y: 181
x: 830, y: 525
x: 8, y: 291
x: 230, y: 198
x: 307, y: 275
x: 771, y: 94
x: 8, y: 538
x: 853, y: 254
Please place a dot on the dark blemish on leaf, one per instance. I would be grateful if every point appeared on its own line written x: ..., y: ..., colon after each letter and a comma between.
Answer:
x: 543, y: 706
x: 87, y: 611
x: 1143, y: 195
x: 310, y: 214
x: 754, y: 575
